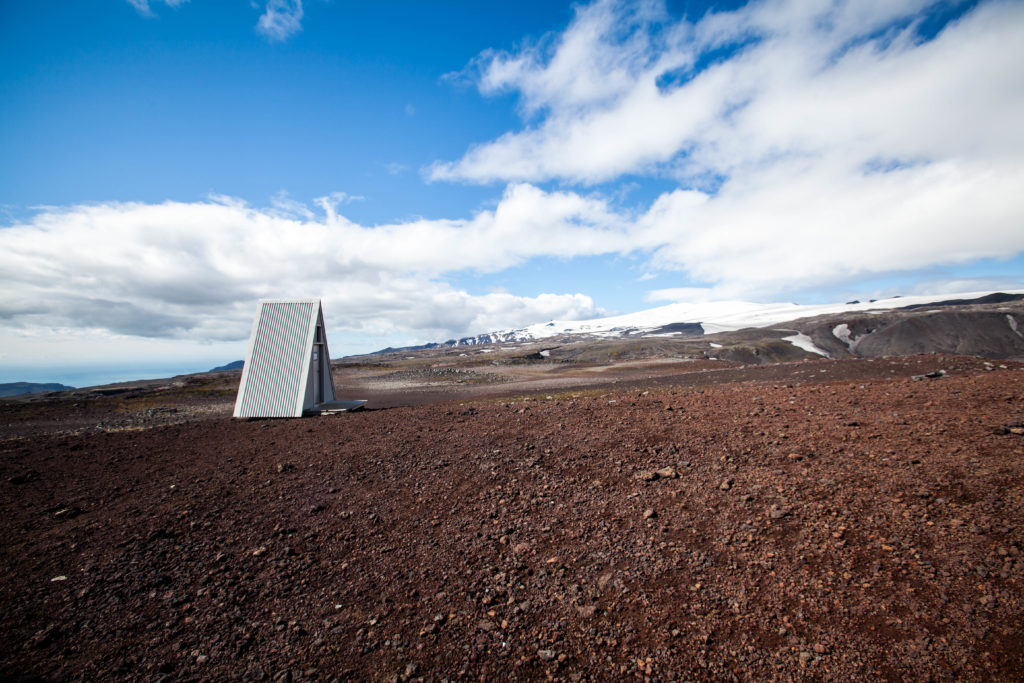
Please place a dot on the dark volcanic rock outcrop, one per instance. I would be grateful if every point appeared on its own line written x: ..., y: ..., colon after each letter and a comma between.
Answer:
x: 984, y: 333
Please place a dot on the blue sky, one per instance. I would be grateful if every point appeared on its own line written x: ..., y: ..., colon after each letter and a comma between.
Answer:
x: 439, y: 169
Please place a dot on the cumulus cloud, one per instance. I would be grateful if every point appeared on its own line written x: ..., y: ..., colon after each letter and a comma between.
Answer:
x: 808, y: 225
x: 627, y: 91
x: 281, y: 19
x: 194, y: 270
x: 812, y: 142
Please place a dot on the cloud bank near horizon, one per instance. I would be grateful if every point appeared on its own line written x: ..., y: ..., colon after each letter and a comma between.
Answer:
x: 194, y: 270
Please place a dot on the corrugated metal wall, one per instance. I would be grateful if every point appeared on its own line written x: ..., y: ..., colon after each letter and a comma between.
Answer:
x: 277, y: 365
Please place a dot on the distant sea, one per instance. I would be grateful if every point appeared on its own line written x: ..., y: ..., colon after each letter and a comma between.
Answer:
x: 91, y: 376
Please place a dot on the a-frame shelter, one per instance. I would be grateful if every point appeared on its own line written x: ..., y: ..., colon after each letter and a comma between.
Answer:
x: 287, y: 369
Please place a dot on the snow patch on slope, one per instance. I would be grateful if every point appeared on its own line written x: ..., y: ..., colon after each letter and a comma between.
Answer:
x: 802, y: 341
x: 1013, y: 325
x: 842, y: 333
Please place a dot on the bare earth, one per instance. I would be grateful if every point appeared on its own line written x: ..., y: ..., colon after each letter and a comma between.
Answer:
x: 829, y: 520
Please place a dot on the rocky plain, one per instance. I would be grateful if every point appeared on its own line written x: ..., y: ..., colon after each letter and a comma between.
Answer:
x: 652, y: 518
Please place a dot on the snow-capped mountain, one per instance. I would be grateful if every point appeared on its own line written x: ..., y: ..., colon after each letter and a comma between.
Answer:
x: 683, y: 319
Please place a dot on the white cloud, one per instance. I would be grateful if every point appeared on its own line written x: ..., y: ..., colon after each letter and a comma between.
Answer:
x: 194, y: 270
x: 395, y: 168
x: 830, y: 140
x: 808, y: 225
x: 281, y: 19
x: 686, y: 295
x: 143, y: 5
x: 846, y: 78
x: 931, y: 286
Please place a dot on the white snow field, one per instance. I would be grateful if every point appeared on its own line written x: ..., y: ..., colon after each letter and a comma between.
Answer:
x: 718, y: 316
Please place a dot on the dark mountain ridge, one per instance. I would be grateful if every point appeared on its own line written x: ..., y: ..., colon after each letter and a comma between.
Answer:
x: 21, y: 388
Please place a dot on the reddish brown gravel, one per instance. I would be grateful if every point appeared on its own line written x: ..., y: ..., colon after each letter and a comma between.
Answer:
x: 828, y: 527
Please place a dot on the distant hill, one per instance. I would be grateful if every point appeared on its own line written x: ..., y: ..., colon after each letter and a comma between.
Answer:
x: 19, y: 388
x: 234, y: 365
x: 985, y: 324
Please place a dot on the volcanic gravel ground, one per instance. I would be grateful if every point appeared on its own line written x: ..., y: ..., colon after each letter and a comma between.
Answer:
x: 829, y: 530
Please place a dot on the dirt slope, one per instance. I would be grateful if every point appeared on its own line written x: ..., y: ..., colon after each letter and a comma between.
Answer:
x: 846, y: 522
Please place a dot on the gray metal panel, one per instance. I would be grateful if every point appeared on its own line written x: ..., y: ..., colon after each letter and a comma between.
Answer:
x: 277, y: 365
x: 321, y: 365
x: 325, y: 360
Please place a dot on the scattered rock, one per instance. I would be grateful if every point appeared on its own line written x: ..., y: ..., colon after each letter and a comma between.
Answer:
x: 725, y: 485
x: 25, y: 478
x: 930, y: 375
x: 649, y: 513
x: 45, y: 636
x: 255, y: 673
x: 546, y: 655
